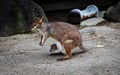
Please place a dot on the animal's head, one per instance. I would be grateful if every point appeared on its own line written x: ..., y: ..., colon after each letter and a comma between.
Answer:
x: 37, y: 23
x: 53, y: 47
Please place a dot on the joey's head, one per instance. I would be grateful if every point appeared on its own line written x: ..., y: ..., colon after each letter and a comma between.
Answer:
x: 37, y: 23
x: 53, y: 47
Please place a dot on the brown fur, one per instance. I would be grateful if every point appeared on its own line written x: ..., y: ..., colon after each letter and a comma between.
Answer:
x: 61, y: 31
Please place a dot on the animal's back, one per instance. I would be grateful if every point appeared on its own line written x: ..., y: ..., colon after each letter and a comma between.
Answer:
x: 59, y: 29
x: 63, y: 25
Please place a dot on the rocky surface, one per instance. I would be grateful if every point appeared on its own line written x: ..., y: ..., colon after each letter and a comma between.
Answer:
x: 16, y: 16
x: 113, y: 13
x: 91, y: 22
x: 22, y: 55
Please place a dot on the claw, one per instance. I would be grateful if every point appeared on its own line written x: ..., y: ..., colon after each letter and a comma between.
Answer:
x: 41, y: 44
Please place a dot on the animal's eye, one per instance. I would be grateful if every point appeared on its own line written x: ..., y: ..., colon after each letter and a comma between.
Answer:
x: 34, y: 25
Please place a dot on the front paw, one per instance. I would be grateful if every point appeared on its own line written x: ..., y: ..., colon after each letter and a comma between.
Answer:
x: 41, y: 44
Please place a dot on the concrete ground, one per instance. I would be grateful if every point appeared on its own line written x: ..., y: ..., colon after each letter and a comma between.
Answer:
x: 22, y: 55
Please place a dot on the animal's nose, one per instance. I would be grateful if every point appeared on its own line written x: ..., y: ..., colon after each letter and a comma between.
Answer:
x: 33, y: 28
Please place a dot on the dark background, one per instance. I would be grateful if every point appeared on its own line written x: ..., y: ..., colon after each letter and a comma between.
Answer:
x: 16, y: 16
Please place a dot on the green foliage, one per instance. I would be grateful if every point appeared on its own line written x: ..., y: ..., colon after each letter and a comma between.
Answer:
x: 8, y: 30
x: 45, y: 19
x: 21, y: 22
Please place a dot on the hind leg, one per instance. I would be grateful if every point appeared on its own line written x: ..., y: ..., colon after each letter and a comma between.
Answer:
x: 68, y: 54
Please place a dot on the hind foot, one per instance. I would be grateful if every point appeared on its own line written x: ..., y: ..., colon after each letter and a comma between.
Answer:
x: 64, y: 58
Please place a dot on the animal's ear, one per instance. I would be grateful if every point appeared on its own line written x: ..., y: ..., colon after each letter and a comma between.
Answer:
x: 41, y: 19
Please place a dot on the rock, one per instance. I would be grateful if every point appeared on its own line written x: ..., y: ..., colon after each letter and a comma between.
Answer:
x: 113, y: 13
x: 89, y: 30
x: 91, y: 22
x: 16, y: 16
x: 100, y: 14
